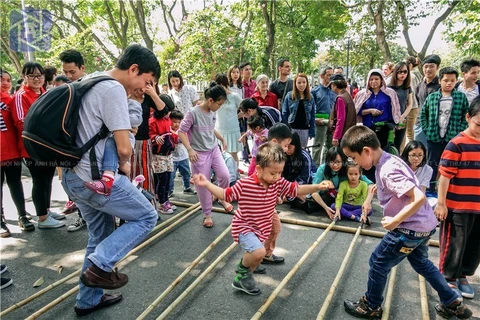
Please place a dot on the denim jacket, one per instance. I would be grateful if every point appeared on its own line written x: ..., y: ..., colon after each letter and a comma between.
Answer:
x: 289, y: 111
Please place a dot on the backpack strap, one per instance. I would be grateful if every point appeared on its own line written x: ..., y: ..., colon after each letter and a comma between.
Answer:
x: 92, y: 154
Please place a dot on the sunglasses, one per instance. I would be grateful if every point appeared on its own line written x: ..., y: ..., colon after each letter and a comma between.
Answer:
x: 402, y: 72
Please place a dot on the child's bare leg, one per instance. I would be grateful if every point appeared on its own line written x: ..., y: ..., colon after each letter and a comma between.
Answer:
x: 252, y: 259
x: 111, y: 172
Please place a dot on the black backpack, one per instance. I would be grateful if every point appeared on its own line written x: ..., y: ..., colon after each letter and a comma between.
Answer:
x: 50, y: 126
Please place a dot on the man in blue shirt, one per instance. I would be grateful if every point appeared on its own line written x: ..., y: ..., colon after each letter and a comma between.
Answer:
x: 324, y: 101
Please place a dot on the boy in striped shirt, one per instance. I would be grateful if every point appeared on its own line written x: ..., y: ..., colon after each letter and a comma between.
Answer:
x: 458, y: 207
x: 252, y: 222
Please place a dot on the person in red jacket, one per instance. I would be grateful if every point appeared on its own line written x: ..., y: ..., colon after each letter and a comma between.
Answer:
x: 42, y: 174
x: 10, y: 160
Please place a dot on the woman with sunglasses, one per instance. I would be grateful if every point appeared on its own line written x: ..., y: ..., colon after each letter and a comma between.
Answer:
x: 42, y: 173
x: 400, y: 83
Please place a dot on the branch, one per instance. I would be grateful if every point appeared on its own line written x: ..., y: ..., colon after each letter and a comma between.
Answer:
x: 175, y: 29
x: 405, y: 27
x: 184, y: 11
x: 140, y: 18
x: 166, y: 20
x: 11, y: 54
x: 442, y: 17
x: 350, y: 6
x: 112, y: 19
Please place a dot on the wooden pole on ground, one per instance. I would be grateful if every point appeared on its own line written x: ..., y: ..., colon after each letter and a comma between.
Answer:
x: 388, y: 297
x: 372, y: 233
x: 196, y: 282
x: 184, y: 274
x: 423, y: 298
x: 287, y: 278
x: 186, y: 213
x: 186, y: 204
x: 76, y: 273
x: 331, y: 292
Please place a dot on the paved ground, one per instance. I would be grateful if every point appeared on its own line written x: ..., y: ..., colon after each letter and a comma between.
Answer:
x: 30, y: 256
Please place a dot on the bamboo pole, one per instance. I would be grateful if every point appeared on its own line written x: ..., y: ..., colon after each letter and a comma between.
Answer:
x: 388, y: 297
x: 186, y: 204
x: 184, y: 274
x: 423, y: 298
x: 372, y: 233
x: 52, y: 304
x: 177, y: 301
x: 76, y: 273
x: 331, y: 292
x: 287, y: 278
x: 55, y: 302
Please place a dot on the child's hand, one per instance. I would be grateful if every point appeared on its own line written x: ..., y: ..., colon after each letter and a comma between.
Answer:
x: 159, y: 140
x: 337, y: 215
x: 263, y: 139
x: 389, y: 223
x: 200, y: 180
x: 279, y: 200
x: 134, y: 131
x: 441, y: 212
x: 325, y: 185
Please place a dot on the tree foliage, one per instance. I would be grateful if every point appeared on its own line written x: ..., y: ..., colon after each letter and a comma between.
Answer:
x: 467, y: 36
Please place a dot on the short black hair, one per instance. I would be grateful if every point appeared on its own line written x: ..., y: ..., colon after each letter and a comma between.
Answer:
x: 255, y: 121
x: 248, y: 104
x: 49, y: 73
x: 469, y: 64
x: 62, y: 78
x: 169, y: 106
x: 176, y: 114
x: 145, y: 59
x: 243, y: 65
x: 474, y: 108
x: 30, y: 67
x: 358, y: 137
x: 414, y: 144
x: 279, y: 131
x: 215, y: 92
x: 72, y: 56
x: 281, y: 61
x: 222, y: 79
x: 447, y: 70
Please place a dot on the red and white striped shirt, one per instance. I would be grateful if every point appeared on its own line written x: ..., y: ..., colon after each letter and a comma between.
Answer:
x: 256, y: 205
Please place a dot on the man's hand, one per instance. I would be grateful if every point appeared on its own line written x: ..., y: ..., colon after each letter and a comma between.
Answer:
x: 441, y: 211
x: 319, y: 122
x: 389, y: 223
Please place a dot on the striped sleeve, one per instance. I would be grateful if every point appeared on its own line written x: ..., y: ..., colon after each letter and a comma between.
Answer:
x: 288, y: 189
x: 450, y: 160
x: 233, y: 193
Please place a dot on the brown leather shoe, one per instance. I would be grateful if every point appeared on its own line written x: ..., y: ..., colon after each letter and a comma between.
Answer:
x: 96, y: 278
x: 106, y: 301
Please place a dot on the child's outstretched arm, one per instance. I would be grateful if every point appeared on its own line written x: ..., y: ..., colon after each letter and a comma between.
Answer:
x: 417, y: 198
x: 201, y: 180
x: 311, y: 188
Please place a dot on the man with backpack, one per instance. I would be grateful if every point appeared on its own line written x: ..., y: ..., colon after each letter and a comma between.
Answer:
x: 106, y: 104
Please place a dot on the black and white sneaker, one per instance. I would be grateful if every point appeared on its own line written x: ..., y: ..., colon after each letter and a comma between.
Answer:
x: 3, y: 268
x: 5, y: 282
x: 455, y: 309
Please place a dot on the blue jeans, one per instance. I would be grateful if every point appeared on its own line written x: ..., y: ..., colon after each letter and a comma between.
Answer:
x: 110, y: 156
x: 395, y: 247
x: 184, y: 168
x: 106, y: 246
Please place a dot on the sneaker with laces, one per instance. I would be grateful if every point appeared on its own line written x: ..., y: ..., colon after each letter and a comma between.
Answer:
x: 171, y: 206
x: 456, y: 309
x: 244, y: 281
x: 465, y: 288
x: 70, y: 207
x: 50, y: 223
x: 5, y: 282
x: 189, y: 191
x: 56, y: 215
x: 25, y: 224
x: 361, y: 309
x: 77, y: 225
x: 163, y: 209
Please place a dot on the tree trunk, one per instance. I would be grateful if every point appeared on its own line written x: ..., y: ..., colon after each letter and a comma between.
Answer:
x: 140, y: 18
x: 380, y: 28
x: 269, y: 17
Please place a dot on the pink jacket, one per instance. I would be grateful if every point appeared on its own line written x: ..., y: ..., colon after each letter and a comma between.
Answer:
x: 364, y: 94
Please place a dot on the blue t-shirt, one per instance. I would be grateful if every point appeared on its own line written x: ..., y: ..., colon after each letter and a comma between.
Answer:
x: 379, y: 101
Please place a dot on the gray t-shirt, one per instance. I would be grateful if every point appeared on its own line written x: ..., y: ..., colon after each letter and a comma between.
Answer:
x: 199, y: 127
x: 106, y: 103
x: 444, y: 114
x: 424, y: 175
x: 136, y: 117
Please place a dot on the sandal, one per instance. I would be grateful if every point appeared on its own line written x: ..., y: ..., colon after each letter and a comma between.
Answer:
x: 207, y: 224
